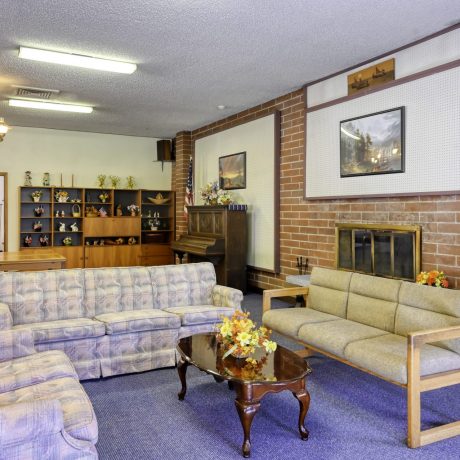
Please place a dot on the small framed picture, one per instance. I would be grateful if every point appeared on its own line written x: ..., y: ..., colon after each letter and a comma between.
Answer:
x: 372, y: 144
x: 232, y: 171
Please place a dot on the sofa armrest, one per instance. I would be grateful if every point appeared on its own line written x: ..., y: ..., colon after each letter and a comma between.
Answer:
x: 6, y: 320
x: 269, y: 294
x: 16, y: 343
x: 223, y: 296
x: 26, y: 421
x: 415, y: 342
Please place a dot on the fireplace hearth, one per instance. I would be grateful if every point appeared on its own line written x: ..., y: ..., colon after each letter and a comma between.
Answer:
x: 391, y: 251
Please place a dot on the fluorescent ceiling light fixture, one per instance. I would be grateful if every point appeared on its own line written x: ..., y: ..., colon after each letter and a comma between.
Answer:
x: 50, y: 106
x: 76, y: 60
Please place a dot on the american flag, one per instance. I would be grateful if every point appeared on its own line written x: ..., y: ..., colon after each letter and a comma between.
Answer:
x: 189, y: 188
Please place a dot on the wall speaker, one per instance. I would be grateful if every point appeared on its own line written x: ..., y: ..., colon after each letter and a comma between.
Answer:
x: 166, y: 150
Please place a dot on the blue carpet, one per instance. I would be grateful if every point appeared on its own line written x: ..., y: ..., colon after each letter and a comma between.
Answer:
x: 352, y: 415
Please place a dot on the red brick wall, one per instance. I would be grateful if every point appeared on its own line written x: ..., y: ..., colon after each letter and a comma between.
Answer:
x: 307, y: 227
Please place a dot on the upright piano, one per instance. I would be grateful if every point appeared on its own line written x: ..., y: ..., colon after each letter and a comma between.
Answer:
x: 217, y: 234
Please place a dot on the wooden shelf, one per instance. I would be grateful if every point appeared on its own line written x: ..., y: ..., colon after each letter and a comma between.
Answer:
x: 92, y: 228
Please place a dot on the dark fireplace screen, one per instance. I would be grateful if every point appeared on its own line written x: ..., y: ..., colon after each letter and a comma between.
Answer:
x: 382, y: 250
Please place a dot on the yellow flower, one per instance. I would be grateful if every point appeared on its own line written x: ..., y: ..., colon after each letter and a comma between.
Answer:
x: 226, y: 329
x: 244, y: 338
x: 269, y: 346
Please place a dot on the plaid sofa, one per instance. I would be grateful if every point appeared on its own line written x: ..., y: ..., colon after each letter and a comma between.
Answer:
x: 112, y: 321
x: 44, y: 411
x: 59, y: 326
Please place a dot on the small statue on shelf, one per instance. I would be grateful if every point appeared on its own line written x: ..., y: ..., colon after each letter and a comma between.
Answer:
x: 62, y: 213
x: 28, y: 241
x: 46, y: 179
x: 74, y: 227
x: 119, y: 210
x: 37, y: 226
x: 132, y: 240
x: 39, y: 210
x: 44, y: 241
x: 57, y: 213
x: 28, y: 179
x: 130, y: 182
x: 62, y: 226
x: 102, y: 212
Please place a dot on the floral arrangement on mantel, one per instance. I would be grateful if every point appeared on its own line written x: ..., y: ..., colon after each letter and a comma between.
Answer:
x: 432, y: 278
x: 240, y: 337
x: 212, y: 194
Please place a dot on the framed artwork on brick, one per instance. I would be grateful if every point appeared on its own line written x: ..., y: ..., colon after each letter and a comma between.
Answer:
x: 232, y: 171
x: 372, y: 144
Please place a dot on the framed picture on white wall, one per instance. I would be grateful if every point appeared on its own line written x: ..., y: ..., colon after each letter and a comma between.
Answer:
x: 232, y: 171
x: 372, y: 144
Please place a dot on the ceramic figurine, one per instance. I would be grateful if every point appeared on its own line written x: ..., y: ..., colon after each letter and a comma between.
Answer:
x: 39, y: 210
x: 74, y: 227
x: 37, y: 226
x: 102, y: 212
x: 28, y: 179
x: 119, y: 210
x: 62, y: 213
x: 132, y: 240
x: 46, y: 179
x: 28, y: 241
x: 44, y: 241
x: 57, y: 214
x: 62, y: 226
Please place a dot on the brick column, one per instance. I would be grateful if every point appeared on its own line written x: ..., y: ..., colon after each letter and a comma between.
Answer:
x: 179, y: 177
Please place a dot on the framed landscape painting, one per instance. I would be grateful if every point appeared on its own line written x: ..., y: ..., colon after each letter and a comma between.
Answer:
x: 232, y: 171
x: 372, y: 144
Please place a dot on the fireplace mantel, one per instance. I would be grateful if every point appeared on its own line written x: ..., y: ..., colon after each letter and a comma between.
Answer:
x: 391, y: 251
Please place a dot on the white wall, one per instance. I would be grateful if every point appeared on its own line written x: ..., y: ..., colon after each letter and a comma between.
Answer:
x: 256, y: 138
x: 85, y: 155
x: 432, y: 137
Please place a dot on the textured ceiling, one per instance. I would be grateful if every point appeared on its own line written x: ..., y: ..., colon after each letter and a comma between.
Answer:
x: 195, y: 55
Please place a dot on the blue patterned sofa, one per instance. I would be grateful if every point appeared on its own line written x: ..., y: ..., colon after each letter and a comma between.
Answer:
x: 44, y: 411
x: 111, y: 321
x: 107, y: 321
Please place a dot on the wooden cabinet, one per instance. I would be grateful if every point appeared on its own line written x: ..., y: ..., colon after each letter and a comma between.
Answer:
x: 111, y: 226
x: 73, y: 254
x: 156, y: 254
x: 106, y: 227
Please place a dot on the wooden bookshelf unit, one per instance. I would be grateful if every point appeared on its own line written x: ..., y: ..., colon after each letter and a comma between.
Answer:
x: 103, y: 232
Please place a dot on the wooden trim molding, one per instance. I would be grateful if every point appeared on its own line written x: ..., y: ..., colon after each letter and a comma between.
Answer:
x: 388, y: 53
x: 391, y: 84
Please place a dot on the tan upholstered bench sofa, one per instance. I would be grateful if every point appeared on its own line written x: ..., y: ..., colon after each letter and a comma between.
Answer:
x: 400, y: 331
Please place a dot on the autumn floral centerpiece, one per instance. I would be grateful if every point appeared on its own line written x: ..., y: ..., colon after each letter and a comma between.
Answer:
x: 240, y: 337
x: 433, y: 278
x: 212, y: 194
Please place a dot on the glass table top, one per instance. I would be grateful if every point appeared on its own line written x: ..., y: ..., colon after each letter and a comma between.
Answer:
x: 205, y: 352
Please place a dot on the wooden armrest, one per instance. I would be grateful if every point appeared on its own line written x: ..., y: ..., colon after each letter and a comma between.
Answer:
x: 418, y: 338
x: 283, y: 292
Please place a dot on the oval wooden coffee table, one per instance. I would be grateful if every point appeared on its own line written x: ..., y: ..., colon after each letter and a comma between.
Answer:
x: 278, y: 371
